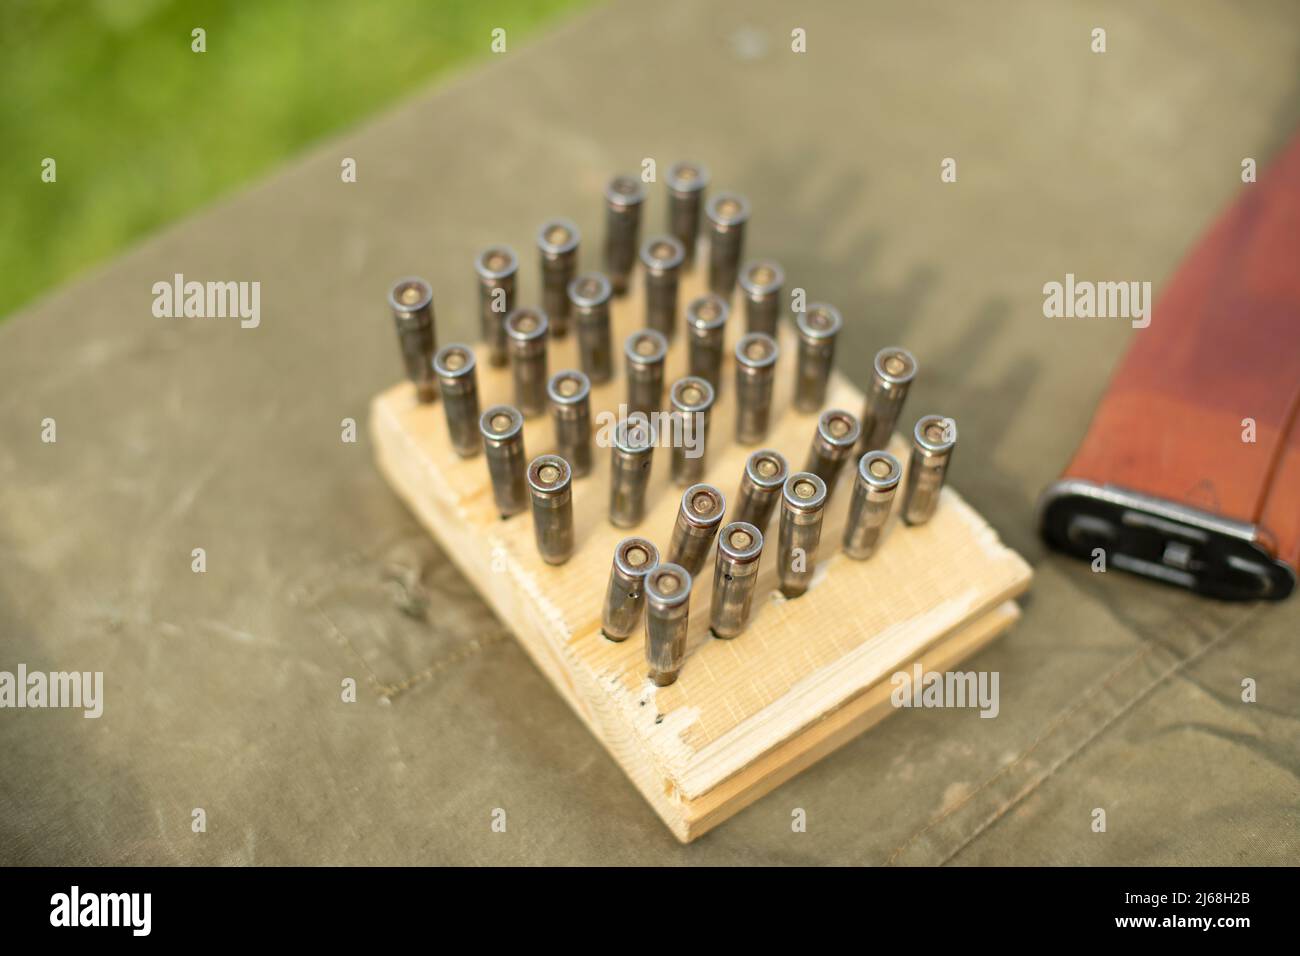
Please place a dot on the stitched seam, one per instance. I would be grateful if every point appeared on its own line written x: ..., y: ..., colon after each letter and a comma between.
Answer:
x: 474, y: 647
x: 392, y: 690
x: 1097, y: 732
x: 310, y: 595
x: 1050, y: 729
x: 343, y: 640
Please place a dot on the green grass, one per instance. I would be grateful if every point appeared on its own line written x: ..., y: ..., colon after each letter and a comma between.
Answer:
x: 143, y: 130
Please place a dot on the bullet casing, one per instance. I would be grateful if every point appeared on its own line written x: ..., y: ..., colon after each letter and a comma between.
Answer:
x: 589, y: 296
x: 645, y: 351
x: 550, y: 483
x: 497, y: 268
x: 624, y: 196
x: 411, y: 301
x: 698, y: 518
x: 706, y: 321
x: 667, y: 614
x: 933, y: 441
x: 760, y: 488
x: 874, y: 486
x: 527, y: 331
x: 760, y: 284
x: 691, y: 399
x: 735, y: 575
x: 687, y: 182
x: 557, y: 246
x: 631, y: 456
x: 502, y: 427
x: 634, y: 558
x: 727, y: 215
x: 892, y: 372
x: 570, y: 396
x: 818, y: 327
x: 803, y: 504
x: 662, y: 259
x: 832, y: 445
x: 756, y: 355
x: 456, y: 371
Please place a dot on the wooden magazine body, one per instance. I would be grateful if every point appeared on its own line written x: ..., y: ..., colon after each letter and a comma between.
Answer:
x: 1200, y: 419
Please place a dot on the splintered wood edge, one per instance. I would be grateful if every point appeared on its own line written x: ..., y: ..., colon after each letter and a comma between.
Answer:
x: 688, y: 813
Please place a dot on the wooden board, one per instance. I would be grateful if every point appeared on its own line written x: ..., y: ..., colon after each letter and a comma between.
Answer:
x: 746, y: 714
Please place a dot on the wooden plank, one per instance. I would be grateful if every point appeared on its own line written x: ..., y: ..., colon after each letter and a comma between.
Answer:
x: 837, y: 728
x: 746, y: 714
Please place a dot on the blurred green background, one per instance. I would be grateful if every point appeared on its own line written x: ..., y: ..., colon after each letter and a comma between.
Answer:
x: 143, y: 130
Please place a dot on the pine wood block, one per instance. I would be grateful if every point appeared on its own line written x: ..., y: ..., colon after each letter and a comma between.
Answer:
x: 746, y: 714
